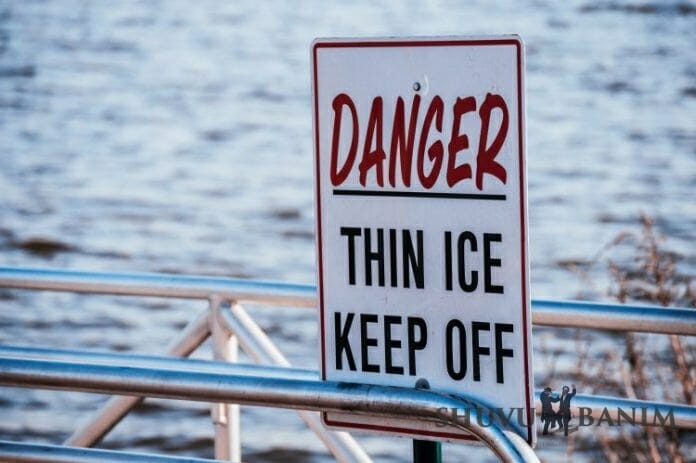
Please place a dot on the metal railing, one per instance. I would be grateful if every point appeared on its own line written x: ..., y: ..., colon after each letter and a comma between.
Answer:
x: 17, y: 452
x: 266, y: 390
x: 684, y: 416
x: 273, y: 382
x: 577, y: 314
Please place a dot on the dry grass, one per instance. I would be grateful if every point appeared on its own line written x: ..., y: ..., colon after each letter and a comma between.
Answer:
x: 646, y: 368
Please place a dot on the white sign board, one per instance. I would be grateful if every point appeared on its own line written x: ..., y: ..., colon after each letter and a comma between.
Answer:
x: 421, y: 221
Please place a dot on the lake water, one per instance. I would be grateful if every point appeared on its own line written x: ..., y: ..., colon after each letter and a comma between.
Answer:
x: 176, y: 137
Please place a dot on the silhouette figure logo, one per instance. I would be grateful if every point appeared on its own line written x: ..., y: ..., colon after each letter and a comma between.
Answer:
x: 555, y: 420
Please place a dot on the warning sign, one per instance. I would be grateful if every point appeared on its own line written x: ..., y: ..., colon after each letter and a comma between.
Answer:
x: 421, y: 221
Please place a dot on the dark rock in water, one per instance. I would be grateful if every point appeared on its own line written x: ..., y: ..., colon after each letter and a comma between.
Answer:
x: 215, y: 135
x: 681, y: 8
x: 573, y: 263
x: 279, y: 454
x: 6, y: 234
x: 300, y: 234
x: 286, y: 213
x: 18, y: 71
x: 619, y: 87
x: 689, y: 91
x: 44, y: 247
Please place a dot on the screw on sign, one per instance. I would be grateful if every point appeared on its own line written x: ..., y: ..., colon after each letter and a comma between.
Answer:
x: 421, y: 221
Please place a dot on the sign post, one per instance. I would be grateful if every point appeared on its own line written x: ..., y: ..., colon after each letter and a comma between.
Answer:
x: 421, y: 223
x: 425, y: 451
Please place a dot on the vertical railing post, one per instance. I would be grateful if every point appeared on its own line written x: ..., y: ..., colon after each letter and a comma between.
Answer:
x: 259, y: 347
x: 225, y: 416
x: 426, y: 451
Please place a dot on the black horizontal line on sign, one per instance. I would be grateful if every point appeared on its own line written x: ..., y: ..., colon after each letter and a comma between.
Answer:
x: 419, y: 194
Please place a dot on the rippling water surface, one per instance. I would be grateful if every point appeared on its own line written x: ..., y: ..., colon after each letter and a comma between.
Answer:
x: 176, y: 137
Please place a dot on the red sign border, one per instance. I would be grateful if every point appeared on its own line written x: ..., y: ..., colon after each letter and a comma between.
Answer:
x: 390, y: 43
